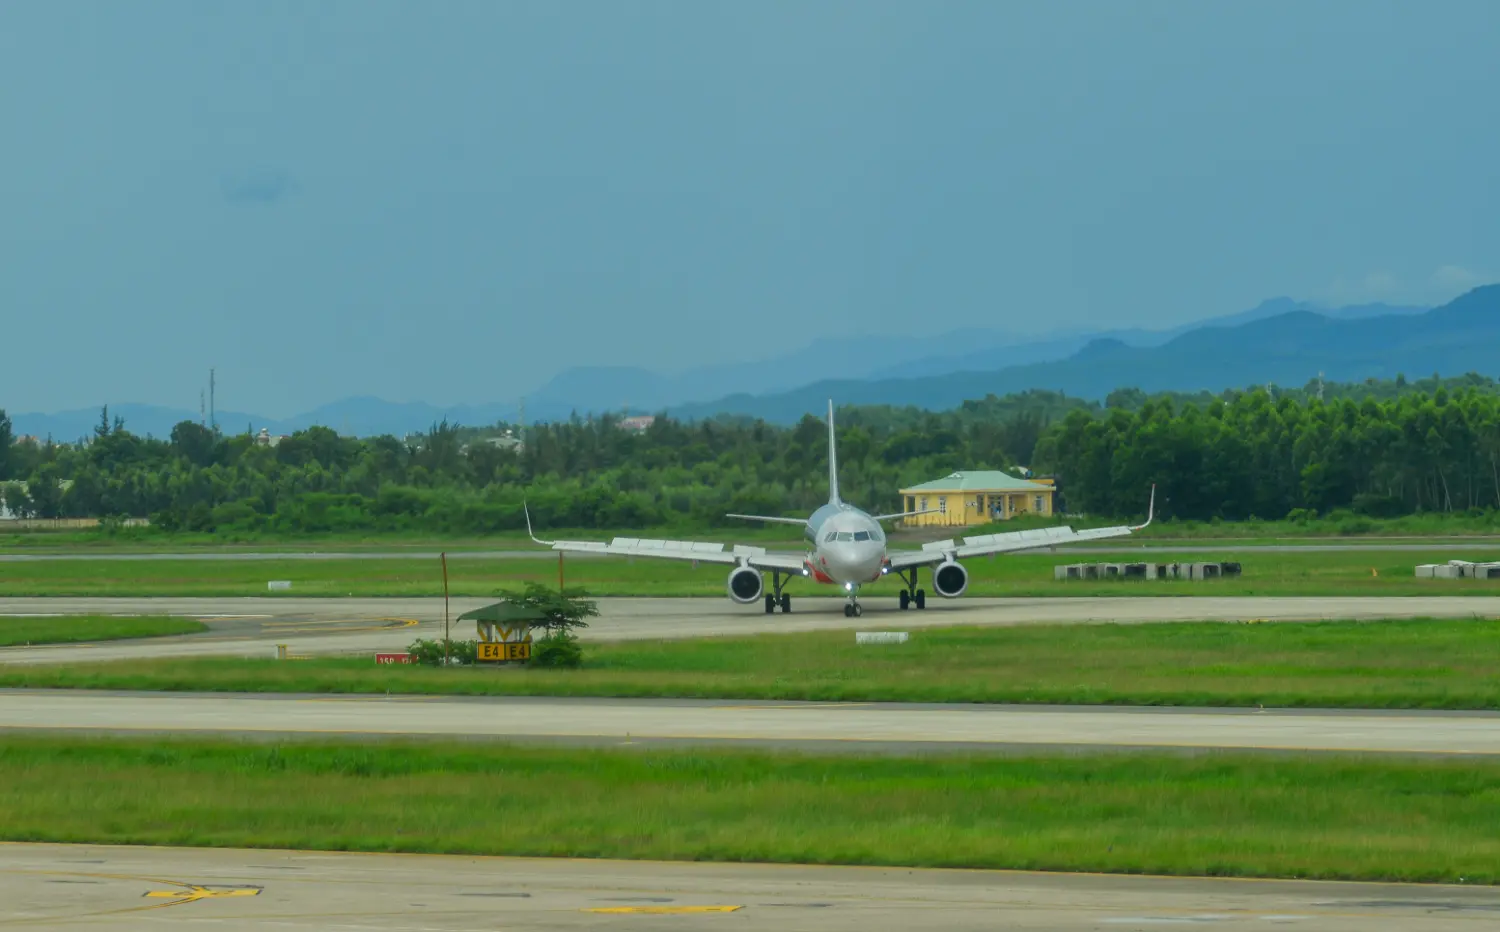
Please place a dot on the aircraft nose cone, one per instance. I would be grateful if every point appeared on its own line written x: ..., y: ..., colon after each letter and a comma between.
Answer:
x: 859, y: 563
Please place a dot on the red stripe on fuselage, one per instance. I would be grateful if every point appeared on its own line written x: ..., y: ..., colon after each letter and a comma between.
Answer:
x: 818, y: 574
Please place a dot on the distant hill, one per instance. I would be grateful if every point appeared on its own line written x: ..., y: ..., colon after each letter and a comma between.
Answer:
x: 1287, y: 348
x: 876, y: 369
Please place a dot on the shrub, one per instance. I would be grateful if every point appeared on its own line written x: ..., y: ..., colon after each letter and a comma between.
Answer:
x: 557, y: 650
x: 431, y: 653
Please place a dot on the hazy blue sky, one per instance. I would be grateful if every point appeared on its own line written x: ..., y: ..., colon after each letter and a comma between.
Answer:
x: 451, y: 201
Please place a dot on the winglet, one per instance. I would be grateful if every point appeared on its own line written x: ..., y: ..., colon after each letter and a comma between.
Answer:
x: 527, y: 510
x: 1150, y: 510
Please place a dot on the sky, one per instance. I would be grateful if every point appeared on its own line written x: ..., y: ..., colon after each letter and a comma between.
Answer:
x: 453, y: 201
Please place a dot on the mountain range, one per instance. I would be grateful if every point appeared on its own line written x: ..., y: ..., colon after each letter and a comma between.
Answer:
x: 1279, y: 340
x: 1288, y: 348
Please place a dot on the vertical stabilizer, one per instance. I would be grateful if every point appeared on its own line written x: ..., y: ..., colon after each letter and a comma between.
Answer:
x: 833, y: 461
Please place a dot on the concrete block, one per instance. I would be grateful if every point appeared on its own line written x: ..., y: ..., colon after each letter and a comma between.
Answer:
x: 1424, y: 571
x: 880, y: 637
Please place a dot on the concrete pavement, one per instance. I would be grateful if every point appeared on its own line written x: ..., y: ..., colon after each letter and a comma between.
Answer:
x: 88, y: 886
x: 253, y: 626
x: 875, y: 727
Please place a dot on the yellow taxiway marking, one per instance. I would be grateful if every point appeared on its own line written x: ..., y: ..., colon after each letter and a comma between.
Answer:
x: 662, y: 910
x: 195, y: 892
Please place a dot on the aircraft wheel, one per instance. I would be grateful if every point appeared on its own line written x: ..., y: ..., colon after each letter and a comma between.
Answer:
x: 770, y: 604
x: 856, y: 610
x: 847, y: 612
x: 921, y: 599
x: 905, y: 600
x: 786, y: 604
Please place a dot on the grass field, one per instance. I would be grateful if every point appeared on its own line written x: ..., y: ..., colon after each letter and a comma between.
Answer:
x: 17, y: 631
x: 1387, y: 664
x: 1161, y: 814
x: 1343, y: 527
x: 1265, y: 573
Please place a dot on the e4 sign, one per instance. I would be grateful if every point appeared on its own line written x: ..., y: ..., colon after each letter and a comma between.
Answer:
x: 503, y: 651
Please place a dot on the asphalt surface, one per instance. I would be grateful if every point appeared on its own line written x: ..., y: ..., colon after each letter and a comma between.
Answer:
x: 88, y: 886
x: 874, y: 727
x: 252, y: 627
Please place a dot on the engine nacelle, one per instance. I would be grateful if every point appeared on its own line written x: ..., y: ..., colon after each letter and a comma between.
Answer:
x: 745, y: 585
x: 950, y: 580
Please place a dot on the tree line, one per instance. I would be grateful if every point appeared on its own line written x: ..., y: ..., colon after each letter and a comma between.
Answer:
x: 1232, y: 456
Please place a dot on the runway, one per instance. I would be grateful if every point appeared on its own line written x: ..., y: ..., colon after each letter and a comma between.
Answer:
x: 865, y: 727
x: 66, y: 886
x: 251, y: 627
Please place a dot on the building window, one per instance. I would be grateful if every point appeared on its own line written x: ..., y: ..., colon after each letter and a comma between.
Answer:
x: 1041, y: 505
x: 924, y: 504
x: 942, y: 504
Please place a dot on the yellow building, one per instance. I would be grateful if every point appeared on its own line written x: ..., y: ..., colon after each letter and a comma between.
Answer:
x: 977, y: 497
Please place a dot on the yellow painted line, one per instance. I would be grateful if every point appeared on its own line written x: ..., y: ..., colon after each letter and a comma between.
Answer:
x: 202, y: 893
x: 663, y: 910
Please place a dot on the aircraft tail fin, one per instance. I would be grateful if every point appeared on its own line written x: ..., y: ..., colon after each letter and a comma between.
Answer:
x: 833, y: 460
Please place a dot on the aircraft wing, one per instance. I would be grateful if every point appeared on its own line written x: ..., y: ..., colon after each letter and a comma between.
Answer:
x: 1010, y: 542
x: 693, y: 551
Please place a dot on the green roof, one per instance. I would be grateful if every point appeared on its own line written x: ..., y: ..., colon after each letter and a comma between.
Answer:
x: 980, y: 480
x: 503, y: 612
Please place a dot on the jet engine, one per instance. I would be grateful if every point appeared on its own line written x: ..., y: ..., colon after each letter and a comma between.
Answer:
x: 950, y: 580
x: 745, y: 585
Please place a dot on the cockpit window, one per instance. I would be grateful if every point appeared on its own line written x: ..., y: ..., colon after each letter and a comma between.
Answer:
x: 875, y: 535
x: 861, y: 535
x: 845, y: 535
x: 832, y: 535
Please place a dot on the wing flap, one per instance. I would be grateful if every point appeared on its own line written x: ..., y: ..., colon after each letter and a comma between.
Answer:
x: 694, y: 551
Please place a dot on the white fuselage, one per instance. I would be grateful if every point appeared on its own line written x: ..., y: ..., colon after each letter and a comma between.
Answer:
x: 848, y: 546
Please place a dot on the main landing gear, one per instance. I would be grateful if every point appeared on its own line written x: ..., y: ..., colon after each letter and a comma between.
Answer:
x: 776, y: 597
x: 911, y: 594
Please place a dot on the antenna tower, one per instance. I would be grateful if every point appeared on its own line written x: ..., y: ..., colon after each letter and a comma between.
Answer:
x: 213, y: 422
x: 202, y: 418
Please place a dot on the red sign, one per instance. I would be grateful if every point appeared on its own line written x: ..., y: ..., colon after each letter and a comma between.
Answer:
x: 393, y: 658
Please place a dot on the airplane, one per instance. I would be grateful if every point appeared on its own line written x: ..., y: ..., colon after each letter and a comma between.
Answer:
x: 848, y: 550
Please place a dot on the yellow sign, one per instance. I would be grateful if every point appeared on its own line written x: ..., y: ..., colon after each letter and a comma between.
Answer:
x: 503, y: 651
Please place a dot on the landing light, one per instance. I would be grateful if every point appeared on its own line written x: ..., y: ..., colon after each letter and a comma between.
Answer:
x: 848, y: 587
x: 884, y: 570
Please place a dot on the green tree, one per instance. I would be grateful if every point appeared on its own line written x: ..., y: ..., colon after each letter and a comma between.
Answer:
x: 7, y: 442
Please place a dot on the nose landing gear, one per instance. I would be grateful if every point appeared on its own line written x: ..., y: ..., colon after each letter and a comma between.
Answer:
x: 853, y: 609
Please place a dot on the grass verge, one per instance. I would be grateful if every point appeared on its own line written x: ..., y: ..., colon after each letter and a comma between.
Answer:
x: 1324, y: 573
x: 1383, y: 664
x: 1213, y: 815
x: 17, y: 631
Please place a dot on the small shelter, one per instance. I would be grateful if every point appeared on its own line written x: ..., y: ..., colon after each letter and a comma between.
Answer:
x: 509, y: 622
x: 977, y: 496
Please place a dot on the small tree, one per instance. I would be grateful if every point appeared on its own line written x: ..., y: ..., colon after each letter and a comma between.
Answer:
x: 562, y: 612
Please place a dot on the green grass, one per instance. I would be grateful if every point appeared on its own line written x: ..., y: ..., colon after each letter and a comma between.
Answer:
x: 1211, y: 815
x: 17, y: 631
x: 1344, y: 527
x: 1265, y: 573
x: 1385, y: 664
